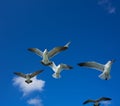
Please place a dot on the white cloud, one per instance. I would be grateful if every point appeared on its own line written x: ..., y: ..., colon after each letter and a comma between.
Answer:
x: 111, y: 9
x: 107, y: 5
x: 106, y: 103
x: 35, y: 102
x: 36, y: 85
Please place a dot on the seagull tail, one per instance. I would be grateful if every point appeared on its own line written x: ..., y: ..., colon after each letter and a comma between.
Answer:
x: 105, y: 76
x: 56, y: 76
x: 28, y: 81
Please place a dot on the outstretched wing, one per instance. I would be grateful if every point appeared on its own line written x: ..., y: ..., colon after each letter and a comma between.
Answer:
x: 35, y: 73
x: 36, y: 51
x: 55, y: 51
x: 65, y: 66
x: 93, y: 65
x: 88, y: 101
x: 104, y: 99
x: 67, y: 45
x: 20, y: 74
x: 53, y: 66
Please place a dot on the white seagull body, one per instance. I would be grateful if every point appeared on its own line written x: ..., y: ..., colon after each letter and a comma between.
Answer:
x: 57, y: 69
x: 28, y: 76
x: 46, y: 55
x: 105, y: 69
x: 96, y: 102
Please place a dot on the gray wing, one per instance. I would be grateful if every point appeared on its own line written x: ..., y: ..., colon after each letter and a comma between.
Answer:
x: 93, y: 65
x: 35, y: 73
x: 52, y: 65
x: 64, y: 66
x: 36, y: 51
x: 88, y: 101
x: 55, y: 51
x: 20, y: 74
x: 104, y: 99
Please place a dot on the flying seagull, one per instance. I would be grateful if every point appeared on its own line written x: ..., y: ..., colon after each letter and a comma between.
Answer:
x: 57, y: 69
x: 97, y: 102
x: 105, y: 69
x: 28, y: 76
x: 46, y: 55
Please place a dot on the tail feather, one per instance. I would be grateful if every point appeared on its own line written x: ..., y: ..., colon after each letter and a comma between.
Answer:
x: 28, y: 81
x: 56, y: 76
x: 105, y: 76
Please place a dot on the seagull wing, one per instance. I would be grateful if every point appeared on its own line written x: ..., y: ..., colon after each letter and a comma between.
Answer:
x: 35, y: 73
x: 20, y: 74
x: 104, y: 99
x: 93, y: 65
x: 36, y: 51
x: 65, y: 66
x: 67, y: 45
x: 88, y: 101
x: 55, y: 51
x: 53, y: 66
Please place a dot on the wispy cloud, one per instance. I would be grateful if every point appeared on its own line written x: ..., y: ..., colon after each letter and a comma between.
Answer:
x: 36, y: 85
x: 35, y: 102
x: 106, y: 103
x: 107, y: 5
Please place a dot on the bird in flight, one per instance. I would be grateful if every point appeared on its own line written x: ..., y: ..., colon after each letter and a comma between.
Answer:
x: 97, y: 102
x: 104, y: 68
x: 58, y: 68
x: 28, y: 76
x: 46, y: 55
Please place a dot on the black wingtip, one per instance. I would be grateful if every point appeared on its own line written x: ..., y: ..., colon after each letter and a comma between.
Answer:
x: 108, y: 99
x: 64, y: 48
x: 105, y: 98
x: 70, y: 67
x: 31, y: 49
x: 81, y: 64
x: 85, y: 102
x: 40, y: 71
x: 14, y: 72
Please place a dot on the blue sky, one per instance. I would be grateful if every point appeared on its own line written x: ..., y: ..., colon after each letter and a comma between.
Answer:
x: 93, y: 29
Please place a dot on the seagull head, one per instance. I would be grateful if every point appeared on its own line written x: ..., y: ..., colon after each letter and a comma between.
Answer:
x: 45, y: 51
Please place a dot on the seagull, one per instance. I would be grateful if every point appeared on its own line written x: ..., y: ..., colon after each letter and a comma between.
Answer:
x: 46, y: 55
x: 57, y: 69
x: 97, y: 102
x: 105, y: 69
x: 28, y: 76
